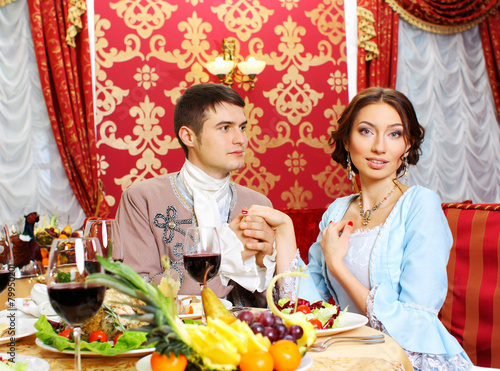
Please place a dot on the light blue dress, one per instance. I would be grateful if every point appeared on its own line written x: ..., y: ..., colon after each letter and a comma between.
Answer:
x: 407, y: 271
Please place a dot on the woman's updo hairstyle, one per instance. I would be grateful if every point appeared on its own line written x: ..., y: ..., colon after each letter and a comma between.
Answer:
x: 413, y: 132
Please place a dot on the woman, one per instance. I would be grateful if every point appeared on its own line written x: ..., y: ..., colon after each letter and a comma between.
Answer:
x: 383, y: 252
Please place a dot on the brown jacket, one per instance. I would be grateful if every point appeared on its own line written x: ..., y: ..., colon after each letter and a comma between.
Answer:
x: 153, y: 217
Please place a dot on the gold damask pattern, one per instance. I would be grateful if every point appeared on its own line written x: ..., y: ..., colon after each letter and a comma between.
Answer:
x: 243, y: 17
x: 148, y: 52
x: 328, y: 17
x: 294, y: 97
x: 145, y: 19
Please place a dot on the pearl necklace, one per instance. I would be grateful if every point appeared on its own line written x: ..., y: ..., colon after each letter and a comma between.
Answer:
x: 367, y: 214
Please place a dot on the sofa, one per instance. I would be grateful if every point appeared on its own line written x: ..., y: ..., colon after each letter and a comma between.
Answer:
x: 471, y: 311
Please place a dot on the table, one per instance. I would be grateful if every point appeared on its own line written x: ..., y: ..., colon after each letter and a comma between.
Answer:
x: 343, y: 356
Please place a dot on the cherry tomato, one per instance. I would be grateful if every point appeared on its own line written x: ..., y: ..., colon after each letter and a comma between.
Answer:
x: 98, y: 335
x: 162, y: 362
x: 316, y: 323
x: 304, y: 309
x: 116, y: 338
x: 66, y: 333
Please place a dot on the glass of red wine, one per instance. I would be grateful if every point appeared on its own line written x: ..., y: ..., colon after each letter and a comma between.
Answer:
x: 71, y: 260
x: 108, y: 233
x: 7, y: 258
x: 202, y: 255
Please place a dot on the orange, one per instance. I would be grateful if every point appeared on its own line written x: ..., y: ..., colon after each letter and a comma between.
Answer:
x: 257, y: 360
x: 162, y: 362
x: 286, y: 355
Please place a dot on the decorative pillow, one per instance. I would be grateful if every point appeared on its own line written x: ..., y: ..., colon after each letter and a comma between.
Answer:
x: 471, y: 311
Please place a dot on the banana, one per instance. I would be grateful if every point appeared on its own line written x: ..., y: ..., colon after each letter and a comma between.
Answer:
x: 214, y: 308
x: 297, y: 318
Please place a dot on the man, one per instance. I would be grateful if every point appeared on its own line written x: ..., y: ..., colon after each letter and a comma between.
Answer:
x: 209, y: 123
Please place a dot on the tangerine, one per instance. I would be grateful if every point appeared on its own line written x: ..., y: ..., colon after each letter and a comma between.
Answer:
x: 286, y: 355
x: 257, y: 360
x: 162, y: 362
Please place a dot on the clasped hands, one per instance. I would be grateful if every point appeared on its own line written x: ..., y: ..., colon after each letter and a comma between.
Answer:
x: 255, y: 234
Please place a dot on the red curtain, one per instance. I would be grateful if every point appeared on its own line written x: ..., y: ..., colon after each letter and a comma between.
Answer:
x: 66, y: 78
x: 378, y: 39
x: 445, y: 12
x: 490, y: 38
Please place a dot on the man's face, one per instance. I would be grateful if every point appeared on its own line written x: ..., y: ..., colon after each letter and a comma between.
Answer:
x: 220, y: 147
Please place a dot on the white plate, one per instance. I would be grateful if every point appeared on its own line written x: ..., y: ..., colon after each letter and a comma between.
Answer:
x: 22, y: 315
x: 226, y: 303
x: 144, y: 364
x: 86, y: 353
x: 349, y: 321
x: 24, y: 327
x: 34, y: 363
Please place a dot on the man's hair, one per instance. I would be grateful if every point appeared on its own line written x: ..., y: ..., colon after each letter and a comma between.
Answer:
x: 191, y: 108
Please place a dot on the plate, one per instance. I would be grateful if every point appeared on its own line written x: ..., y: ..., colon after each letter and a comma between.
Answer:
x: 226, y: 303
x: 24, y: 327
x: 349, y: 321
x: 144, y: 364
x: 86, y: 353
x: 34, y: 363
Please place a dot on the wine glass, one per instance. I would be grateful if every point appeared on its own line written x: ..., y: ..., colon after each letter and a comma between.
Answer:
x: 108, y: 233
x: 71, y: 260
x: 7, y: 260
x: 202, y: 254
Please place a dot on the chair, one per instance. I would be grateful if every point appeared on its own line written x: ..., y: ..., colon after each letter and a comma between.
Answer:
x: 471, y: 311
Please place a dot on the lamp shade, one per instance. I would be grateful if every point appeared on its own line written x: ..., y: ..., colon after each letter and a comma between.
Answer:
x: 251, y: 67
x: 220, y: 66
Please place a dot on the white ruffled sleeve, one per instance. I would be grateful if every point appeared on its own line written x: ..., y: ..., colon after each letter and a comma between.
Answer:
x: 245, y: 273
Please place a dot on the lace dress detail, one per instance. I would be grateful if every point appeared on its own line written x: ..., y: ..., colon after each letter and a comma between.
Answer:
x: 287, y: 288
x: 420, y: 361
x: 357, y: 260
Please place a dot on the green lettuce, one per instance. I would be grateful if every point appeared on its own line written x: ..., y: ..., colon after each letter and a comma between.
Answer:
x: 129, y: 340
x: 18, y: 366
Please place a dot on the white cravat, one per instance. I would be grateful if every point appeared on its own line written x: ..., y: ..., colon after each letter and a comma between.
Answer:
x: 208, y: 193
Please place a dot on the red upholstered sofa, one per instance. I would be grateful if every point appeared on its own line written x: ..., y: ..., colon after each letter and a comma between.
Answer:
x: 471, y: 311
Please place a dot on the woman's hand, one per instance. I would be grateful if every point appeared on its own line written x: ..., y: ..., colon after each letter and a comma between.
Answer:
x: 335, y: 244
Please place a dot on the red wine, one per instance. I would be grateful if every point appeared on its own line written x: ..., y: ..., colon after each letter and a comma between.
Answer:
x: 4, y: 279
x: 75, y: 302
x: 197, y: 264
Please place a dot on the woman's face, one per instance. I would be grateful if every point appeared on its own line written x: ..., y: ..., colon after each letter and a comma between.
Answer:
x: 376, y: 142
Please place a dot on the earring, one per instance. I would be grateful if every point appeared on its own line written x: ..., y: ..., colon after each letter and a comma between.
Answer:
x: 405, y: 167
x: 350, y: 173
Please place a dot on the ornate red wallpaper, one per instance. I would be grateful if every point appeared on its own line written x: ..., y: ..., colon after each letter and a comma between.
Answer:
x: 149, y: 51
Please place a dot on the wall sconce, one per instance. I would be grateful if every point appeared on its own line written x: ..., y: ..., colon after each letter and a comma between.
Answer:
x: 225, y: 69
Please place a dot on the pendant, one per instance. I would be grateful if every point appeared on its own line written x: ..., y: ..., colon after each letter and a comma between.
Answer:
x: 367, y: 217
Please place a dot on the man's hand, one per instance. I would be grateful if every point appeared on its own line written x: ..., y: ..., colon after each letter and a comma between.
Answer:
x: 256, y: 236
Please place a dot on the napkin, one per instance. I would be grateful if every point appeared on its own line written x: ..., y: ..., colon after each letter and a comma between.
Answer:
x: 37, y: 304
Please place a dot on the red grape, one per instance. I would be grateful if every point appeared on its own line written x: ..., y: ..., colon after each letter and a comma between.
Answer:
x: 257, y: 328
x: 267, y: 319
x: 296, y: 331
x: 246, y: 316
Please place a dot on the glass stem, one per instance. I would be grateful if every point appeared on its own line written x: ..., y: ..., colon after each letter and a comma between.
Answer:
x: 78, y: 361
x: 203, y: 319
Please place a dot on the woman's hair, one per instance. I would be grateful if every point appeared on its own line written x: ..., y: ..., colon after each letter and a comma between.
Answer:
x: 413, y: 132
x: 191, y: 108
